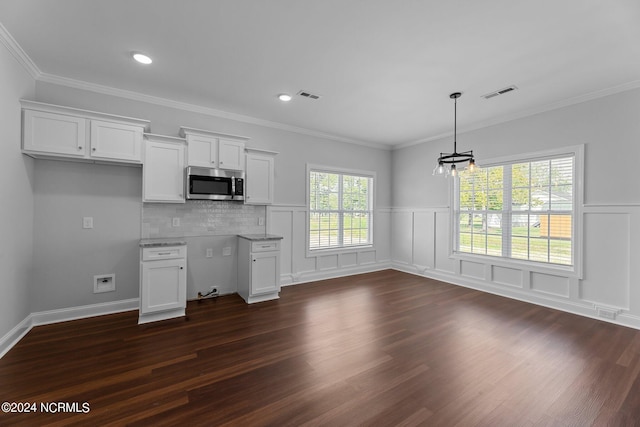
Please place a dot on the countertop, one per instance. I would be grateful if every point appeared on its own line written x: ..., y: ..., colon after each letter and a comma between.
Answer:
x: 154, y: 243
x: 258, y: 237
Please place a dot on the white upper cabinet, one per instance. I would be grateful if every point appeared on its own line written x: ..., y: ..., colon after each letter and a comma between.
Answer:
x: 116, y: 141
x: 54, y: 133
x: 62, y: 132
x: 260, y: 176
x: 230, y: 154
x: 163, y: 169
x: 214, y: 150
x: 202, y: 151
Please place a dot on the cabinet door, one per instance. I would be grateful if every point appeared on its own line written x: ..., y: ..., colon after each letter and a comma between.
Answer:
x: 230, y: 154
x: 259, y: 179
x: 54, y: 133
x: 164, y: 285
x: 116, y: 141
x: 265, y: 272
x: 202, y: 151
x: 163, y: 172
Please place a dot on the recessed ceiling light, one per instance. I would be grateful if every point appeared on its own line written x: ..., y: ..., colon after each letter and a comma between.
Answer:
x: 284, y: 97
x: 141, y: 58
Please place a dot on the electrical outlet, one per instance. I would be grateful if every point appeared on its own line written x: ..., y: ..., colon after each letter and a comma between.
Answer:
x: 606, y: 313
x: 104, y: 283
x: 175, y: 222
x: 261, y: 220
x: 209, y: 253
x: 226, y: 251
x: 87, y: 222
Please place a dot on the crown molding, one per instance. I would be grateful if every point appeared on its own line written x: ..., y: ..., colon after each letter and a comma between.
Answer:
x: 137, y: 96
x: 21, y: 56
x: 530, y: 112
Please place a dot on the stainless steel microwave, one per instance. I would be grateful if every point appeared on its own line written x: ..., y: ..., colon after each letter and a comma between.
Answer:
x: 214, y: 184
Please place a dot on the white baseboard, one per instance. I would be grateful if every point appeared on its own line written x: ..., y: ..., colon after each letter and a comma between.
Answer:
x: 12, y: 337
x: 313, y: 276
x: 84, y: 311
x: 573, y: 307
x: 62, y: 315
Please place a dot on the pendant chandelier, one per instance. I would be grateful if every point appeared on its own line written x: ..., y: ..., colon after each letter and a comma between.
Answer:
x: 454, y: 158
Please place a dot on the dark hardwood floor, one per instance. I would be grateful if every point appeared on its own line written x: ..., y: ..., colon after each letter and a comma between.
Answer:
x: 379, y: 349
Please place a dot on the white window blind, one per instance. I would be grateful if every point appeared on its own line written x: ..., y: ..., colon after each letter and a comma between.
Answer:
x: 340, y: 209
x: 523, y: 210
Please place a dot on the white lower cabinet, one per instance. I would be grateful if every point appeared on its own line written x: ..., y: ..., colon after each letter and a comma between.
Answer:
x: 163, y: 282
x: 258, y: 268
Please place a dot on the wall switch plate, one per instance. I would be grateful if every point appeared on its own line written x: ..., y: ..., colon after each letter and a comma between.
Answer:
x: 175, y: 222
x: 226, y: 251
x: 87, y: 222
x: 209, y: 253
x: 261, y: 220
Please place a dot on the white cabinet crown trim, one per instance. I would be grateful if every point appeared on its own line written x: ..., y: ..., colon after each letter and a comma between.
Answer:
x: 184, y: 131
x: 261, y: 151
x: 164, y: 138
x: 87, y: 114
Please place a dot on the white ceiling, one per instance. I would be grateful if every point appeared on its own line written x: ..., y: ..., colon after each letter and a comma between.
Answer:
x: 384, y: 68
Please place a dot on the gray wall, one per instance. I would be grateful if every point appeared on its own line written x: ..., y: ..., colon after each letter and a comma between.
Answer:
x: 16, y: 193
x: 66, y: 256
x: 609, y: 126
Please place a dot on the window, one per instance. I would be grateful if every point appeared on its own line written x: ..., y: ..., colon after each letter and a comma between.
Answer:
x: 521, y: 209
x: 340, y: 208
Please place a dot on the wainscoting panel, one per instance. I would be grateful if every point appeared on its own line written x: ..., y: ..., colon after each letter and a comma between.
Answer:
x: 607, y: 286
x: 283, y: 222
x: 474, y: 270
x: 507, y: 276
x: 402, y: 237
x: 349, y: 259
x: 327, y: 262
x: 297, y: 266
x: 550, y: 284
x: 607, y: 243
x: 442, y: 226
x: 368, y: 257
x: 423, y: 238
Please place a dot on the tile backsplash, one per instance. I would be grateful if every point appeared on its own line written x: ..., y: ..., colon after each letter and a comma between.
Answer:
x: 201, y: 218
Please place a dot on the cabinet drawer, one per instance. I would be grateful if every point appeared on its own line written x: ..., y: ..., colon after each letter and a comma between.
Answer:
x: 265, y: 245
x: 164, y: 252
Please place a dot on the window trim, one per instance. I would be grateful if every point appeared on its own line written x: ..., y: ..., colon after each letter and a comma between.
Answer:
x: 310, y: 253
x: 575, y: 270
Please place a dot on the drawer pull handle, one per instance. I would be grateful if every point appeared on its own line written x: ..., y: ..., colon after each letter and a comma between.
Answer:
x: 164, y: 253
x: 181, y: 268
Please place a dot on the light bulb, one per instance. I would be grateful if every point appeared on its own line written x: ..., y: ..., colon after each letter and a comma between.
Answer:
x: 141, y: 58
x: 454, y: 171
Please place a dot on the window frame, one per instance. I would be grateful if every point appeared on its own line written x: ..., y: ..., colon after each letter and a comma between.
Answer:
x: 341, y: 171
x: 575, y: 270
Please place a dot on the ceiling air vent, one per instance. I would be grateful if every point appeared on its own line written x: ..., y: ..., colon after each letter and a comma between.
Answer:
x: 307, y: 94
x: 500, y: 92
